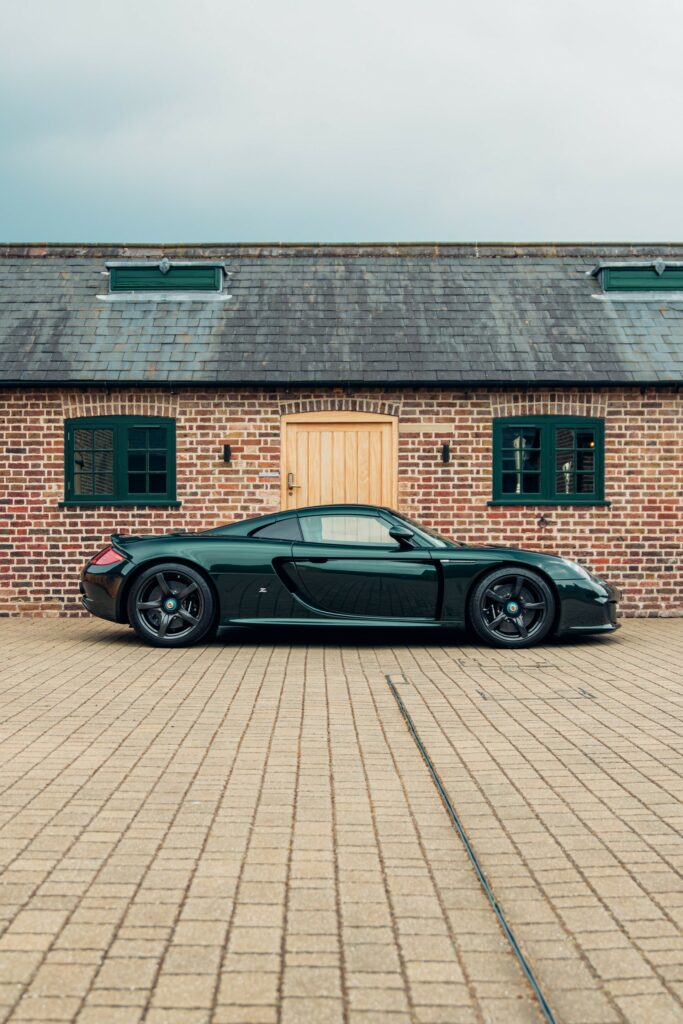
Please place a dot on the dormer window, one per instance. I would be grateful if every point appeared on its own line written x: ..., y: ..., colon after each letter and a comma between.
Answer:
x: 640, y: 276
x: 147, y: 280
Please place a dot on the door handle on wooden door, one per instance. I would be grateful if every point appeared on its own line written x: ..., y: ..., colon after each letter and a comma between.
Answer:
x: 290, y: 483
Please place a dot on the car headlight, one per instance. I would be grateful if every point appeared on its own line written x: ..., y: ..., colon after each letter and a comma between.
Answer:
x: 581, y: 569
x: 586, y: 573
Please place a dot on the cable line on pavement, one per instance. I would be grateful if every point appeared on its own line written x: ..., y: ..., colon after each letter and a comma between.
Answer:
x: 546, y: 1009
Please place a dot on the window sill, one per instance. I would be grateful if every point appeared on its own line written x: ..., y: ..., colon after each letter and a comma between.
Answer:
x: 120, y: 503
x: 591, y: 502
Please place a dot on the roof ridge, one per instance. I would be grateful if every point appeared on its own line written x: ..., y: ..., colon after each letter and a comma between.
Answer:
x: 432, y: 250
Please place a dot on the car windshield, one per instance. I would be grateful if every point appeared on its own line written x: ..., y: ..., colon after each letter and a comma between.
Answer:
x: 436, y: 539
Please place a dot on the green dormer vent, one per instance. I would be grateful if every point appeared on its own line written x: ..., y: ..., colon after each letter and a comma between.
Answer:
x: 653, y: 277
x: 165, y: 277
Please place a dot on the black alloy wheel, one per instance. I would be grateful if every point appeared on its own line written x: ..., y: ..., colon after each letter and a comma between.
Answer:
x: 512, y: 608
x: 171, y: 606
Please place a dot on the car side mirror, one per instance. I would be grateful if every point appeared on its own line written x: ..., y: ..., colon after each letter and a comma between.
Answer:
x: 403, y: 536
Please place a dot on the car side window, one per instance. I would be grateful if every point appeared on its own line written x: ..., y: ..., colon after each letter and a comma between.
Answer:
x: 340, y: 529
x: 285, y: 529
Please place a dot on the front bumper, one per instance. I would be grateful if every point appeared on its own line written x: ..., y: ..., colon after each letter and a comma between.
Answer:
x: 587, y: 606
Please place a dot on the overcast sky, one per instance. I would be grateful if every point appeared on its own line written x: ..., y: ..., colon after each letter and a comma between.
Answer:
x: 340, y: 120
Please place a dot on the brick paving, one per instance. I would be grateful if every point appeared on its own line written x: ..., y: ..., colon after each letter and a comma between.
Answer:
x: 245, y: 833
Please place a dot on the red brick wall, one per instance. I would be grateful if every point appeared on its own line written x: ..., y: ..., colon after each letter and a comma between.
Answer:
x: 636, y: 542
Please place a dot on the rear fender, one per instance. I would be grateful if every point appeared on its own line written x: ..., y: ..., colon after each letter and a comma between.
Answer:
x: 139, y: 568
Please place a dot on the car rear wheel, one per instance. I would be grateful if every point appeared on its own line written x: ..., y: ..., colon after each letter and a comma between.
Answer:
x: 512, y: 608
x: 171, y: 605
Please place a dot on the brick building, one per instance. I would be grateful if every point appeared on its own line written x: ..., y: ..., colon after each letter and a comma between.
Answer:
x: 527, y: 395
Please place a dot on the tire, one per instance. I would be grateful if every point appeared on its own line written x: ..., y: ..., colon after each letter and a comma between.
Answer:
x: 496, y: 598
x: 172, y: 605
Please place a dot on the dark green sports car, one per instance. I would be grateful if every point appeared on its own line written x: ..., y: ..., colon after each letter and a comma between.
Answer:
x: 350, y: 565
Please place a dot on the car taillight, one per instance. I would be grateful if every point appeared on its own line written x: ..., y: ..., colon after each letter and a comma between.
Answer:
x: 107, y: 556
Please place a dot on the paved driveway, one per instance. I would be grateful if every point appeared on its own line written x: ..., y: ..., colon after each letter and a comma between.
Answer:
x: 247, y: 833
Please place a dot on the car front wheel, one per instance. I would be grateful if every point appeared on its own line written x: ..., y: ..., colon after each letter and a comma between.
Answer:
x: 512, y: 608
x: 171, y: 606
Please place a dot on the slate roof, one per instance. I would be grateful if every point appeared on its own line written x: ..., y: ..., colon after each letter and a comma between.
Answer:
x: 340, y: 314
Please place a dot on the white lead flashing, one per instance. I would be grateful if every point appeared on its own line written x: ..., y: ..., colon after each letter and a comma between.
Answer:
x: 629, y: 264
x: 173, y: 263
x: 164, y: 297
x: 663, y: 297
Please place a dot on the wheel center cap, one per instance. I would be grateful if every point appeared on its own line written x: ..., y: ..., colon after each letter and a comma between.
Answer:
x: 512, y: 608
x: 170, y: 604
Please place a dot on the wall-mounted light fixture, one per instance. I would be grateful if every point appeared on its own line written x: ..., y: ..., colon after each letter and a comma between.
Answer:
x: 227, y: 453
x: 446, y: 453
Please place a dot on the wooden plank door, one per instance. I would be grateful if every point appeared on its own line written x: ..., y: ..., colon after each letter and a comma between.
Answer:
x: 332, y: 458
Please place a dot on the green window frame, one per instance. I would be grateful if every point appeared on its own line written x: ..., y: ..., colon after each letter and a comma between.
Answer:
x: 642, y: 279
x: 174, y: 277
x: 548, y: 460
x: 120, y: 460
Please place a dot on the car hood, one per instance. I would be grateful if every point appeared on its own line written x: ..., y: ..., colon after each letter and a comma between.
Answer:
x: 556, y: 566
x: 504, y: 549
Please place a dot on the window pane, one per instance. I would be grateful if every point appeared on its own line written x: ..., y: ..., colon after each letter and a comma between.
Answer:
x: 585, y: 460
x: 531, y: 460
x: 564, y: 482
x: 346, y: 530
x: 156, y: 437
x: 157, y: 461
x: 137, y: 437
x: 104, y: 472
x: 521, y: 437
x: 564, y: 437
x: 523, y: 483
x: 84, y: 461
x: 104, y: 483
x: 521, y: 460
x: 510, y: 483
x: 83, y: 483
x: 157, y: 483
x: 137, y: 462
x: 83, y: 439
x: 137, y: 483
x: 104, y: 439
x: 585, y: 483
x: 585, y: 439
x: 287, y: 529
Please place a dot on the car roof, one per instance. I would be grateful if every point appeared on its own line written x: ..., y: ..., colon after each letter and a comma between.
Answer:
x: 348, y: 507
x: 246, y: 526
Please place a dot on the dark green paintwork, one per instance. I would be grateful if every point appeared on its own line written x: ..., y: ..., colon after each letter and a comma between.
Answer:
x: 641, y: 279
x: 195, y: 278
x: 283, y: 582
x: 548, y: 495
x: 123, y: 446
